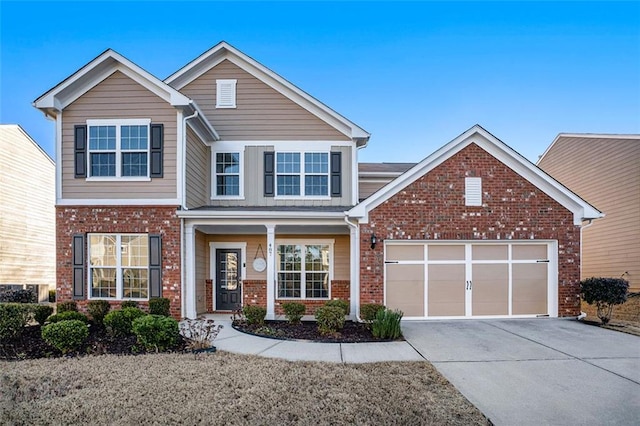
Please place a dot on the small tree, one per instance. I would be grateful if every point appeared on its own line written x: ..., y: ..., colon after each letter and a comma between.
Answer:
x: 605, y: 293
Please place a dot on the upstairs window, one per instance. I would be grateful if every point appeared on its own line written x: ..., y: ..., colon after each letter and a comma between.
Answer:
x: 228, y: 174
x: 226, y: 93
x: 302, y: 174
x: 118, y: 148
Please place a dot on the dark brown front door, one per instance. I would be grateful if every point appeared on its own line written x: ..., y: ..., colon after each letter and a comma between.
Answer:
x: 227, y: 279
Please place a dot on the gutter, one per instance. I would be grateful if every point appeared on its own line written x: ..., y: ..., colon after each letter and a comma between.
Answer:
x: 582, y: 228
x: 355, y: 270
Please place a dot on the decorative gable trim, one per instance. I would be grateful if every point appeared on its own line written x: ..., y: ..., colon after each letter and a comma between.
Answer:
x: 223, y: 51
x: 580, y: 208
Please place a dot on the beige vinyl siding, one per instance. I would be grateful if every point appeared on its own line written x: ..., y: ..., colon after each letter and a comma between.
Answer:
x: 261, y: 112
x: 27, y: 212
x: 606, y: 173
x: 198, y: 171
x: 254, y: 183
x: 118, y: 96
x: 202, y: 272
x: 366, y: 187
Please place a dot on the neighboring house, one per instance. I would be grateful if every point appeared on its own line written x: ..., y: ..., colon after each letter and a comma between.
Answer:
x: 604, y: 169
x: 27, y: 213
x: 225, y: 185
x: 373, y: 176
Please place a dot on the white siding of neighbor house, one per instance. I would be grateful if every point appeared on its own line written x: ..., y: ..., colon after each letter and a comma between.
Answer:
x: 118, y: 96
x: 27, y: 210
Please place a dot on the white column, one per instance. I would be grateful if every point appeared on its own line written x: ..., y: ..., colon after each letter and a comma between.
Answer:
x: 271, y: 271
x: 190, y: 272
x: 354, y: 287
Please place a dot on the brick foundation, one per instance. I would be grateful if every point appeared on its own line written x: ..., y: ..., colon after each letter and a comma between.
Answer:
x: 161, y: 220
x: 433, y: 208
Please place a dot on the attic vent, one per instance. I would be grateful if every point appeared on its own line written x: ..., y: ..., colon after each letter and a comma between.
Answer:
x: 473, y: 191
x: 226, y: 93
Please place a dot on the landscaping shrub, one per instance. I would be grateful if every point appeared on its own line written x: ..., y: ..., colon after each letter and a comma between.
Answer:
x: 129, y: 304
x: 330, y: 319
x: 98, y: 309
x: 52, y: 296
x: 339, y: 303
x: 387, y: 324
x: 368, y: 311
x: 41, y: 313
x: 605, y: 293
x: 18, y: 296
x: 13, y: 319
x: 65, y: 336
x: 119, y: 322
x: 69, y: 305
x: 294, y: 311
x: 157, y: 332
x: 159, y: 306
x: 254, y: 314
x: 68, y: 316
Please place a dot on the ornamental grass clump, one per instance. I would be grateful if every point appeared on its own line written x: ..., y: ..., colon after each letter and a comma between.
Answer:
x: 387, y: 324
x: 98, y: 309
x: 605, y: 293
x: 330, y: 319
x: 156, y: 332
x: 294, y: 311
x: 254, y: 314
x: 66, y: 336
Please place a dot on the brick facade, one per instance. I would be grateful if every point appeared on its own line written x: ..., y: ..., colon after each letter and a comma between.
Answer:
x: 433, y: 208
x: 119, y: 219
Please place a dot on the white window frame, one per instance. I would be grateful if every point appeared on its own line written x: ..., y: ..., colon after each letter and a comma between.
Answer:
x: 302, y: 176
x: 118, y: 267
x: 214, y: 175
x: 118, y: 123
x: 303, y: 287
x: 473, y: 191
x: 222, y: 86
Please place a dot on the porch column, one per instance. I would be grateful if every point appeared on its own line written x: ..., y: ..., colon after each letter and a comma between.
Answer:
x: 354, y: 284
x: 271, y: 271
x: 190, y: 272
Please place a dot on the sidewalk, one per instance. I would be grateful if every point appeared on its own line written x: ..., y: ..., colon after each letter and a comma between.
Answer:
x: 234, y: 341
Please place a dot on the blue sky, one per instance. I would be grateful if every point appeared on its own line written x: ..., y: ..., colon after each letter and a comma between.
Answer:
x: 415, y: 74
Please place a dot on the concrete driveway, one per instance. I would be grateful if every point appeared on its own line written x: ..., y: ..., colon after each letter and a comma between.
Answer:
x: 536, y: 371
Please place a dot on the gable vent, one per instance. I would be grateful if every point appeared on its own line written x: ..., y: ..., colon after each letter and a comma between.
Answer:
x: 226, y: 93
x: 473, y: 191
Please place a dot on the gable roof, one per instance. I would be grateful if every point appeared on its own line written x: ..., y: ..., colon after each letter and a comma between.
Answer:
x: 224, y: 51
x: 581, y: 209
x: 581, y: 138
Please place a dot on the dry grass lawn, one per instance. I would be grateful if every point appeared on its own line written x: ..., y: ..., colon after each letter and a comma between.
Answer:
x: 224, y: 388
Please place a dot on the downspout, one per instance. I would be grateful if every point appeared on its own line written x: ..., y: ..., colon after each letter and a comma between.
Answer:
x: 582, y: 228
x: 355, y: 270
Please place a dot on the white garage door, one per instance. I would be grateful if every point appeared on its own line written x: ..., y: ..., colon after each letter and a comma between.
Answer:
x: 471, y: 279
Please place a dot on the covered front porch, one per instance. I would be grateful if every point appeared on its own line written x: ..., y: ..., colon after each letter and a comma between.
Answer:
x: 233, y: 262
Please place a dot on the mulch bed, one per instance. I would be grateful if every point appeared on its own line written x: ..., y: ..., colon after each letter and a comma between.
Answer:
x: 31, y: 346
x: 353, y: 332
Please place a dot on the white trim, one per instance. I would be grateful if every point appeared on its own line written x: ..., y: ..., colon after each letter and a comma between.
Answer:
x: 581, y: 209
x: 241, y: 173
x: 213, y: 246
x: 282, y: 145
x: 271, y: 271
x: 180, y: 158
x: 118, y: 179
x: 58, y: 162
x: 273, y: 215
x: 355, y: 179
x: 191, y: 306
x: 118, y: 202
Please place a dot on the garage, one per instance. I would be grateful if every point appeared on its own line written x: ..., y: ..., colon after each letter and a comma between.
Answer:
x: 470, y: 279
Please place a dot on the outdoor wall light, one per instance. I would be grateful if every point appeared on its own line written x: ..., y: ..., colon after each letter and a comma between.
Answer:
x: 374, y: 240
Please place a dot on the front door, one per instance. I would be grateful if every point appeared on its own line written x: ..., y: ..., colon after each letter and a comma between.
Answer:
x: 228, y: 279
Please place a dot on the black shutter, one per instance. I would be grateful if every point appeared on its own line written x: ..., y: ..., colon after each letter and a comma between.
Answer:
x: 155, y: 266
x: 157, y: 136
x: 336, y: 174
x: 78, y: 265
x: 269, y: 174
x: 80, y: 150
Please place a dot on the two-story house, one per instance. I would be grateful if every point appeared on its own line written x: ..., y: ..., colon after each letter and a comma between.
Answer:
x: 226, y: 185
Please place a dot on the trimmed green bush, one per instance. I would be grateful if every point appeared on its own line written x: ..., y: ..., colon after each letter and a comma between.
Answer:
x: 13, y: 319
x: 66, y: 336
x: 68, y: 316
x: 98, y: 309
x: 157, y: 332
x: 387, y: 324
x: 339, y: 303
x: 368, y: 311
x: 159, y: 306
x: 294, y: 311
x: 18, y: 296
x: 119, y: 322
x: 330, y: 319
x: 605, y: 293
x: 254, y: 314
x: 129, y: 304
x: 69, y: 305
x: 41, y: 313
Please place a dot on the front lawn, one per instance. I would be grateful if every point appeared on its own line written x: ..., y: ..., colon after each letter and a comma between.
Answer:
x: 224, y: 388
